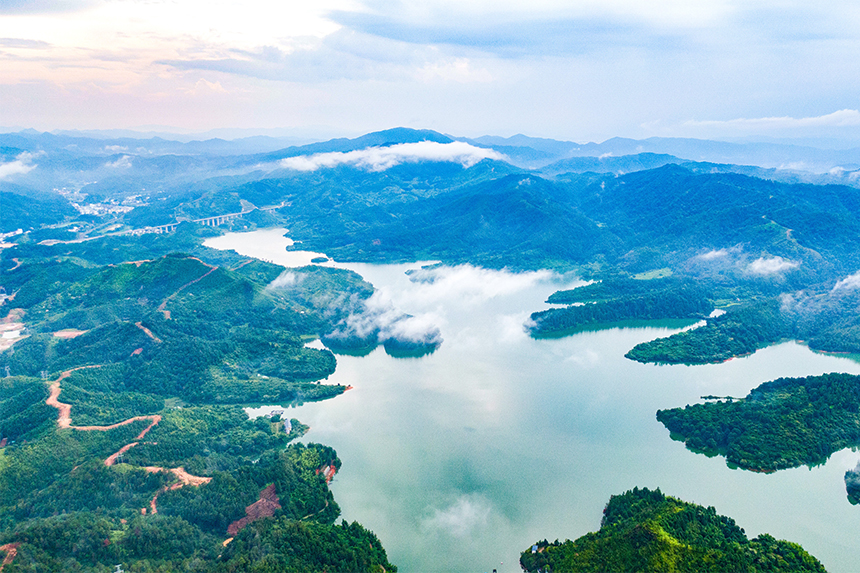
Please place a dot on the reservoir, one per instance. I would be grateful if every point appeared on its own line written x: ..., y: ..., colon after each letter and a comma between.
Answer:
x: 461, y: 459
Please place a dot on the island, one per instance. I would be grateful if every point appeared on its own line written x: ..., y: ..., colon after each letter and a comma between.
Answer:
x: 644, y: 530
x: 852, y: 484
x: 619, y: 300
x: 781, y: 424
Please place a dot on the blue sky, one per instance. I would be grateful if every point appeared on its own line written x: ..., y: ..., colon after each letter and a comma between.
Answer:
x: 577, y: 70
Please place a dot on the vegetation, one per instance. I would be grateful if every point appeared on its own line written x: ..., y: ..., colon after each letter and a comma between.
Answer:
x: 620, y: 300
x: 285, y: 546
x: 176, y: 326
x: 781, y: 424
x: 645, y: 531
x: 852, y: 484
x: 159, y: 461
x: 738, y: 332
x: 96, y: 525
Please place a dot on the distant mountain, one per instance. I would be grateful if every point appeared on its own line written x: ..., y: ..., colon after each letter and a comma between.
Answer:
x: 610, y: 163
x: 376, y: 139
x: 25, y: 209
x: 768, y: 155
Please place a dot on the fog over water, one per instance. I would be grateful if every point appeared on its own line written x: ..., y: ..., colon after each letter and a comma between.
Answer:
x: 463, y: 458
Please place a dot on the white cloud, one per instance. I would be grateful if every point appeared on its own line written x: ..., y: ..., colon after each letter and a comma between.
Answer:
x: 461, y: 518
x: 382, y: 158
x: 22, y: 164
x: 286, y: 279
x: 418, y: 311
x: 469, y: 284
x: 713, y: 254
x: 850, y: 282
x: 841, y: 118
x: 123, y: 162
x: 771, y: 266
x: 456, y: 69
x: 203, y: 86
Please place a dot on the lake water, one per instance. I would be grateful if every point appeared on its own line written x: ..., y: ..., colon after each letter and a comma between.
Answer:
x: 461, y: 459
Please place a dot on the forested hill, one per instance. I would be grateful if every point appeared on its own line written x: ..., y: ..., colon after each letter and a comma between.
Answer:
x: 122, y: 438
x: 645, y: 531
x: 743, y: 239
x: 488, y: 215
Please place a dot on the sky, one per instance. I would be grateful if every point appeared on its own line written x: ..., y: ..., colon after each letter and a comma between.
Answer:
x: 580, y: 70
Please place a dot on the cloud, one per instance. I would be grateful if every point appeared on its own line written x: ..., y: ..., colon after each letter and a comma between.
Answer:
x: 461, y: 518
x: 20, y: 166
x: 23, y: 44
x: 417, y: 312
x: 456, y: 69
x: 382, y: 158
x: 713, y: 254
x: 851, y: 282
x: 123, y: 162
x: 771, y: 266
x: 841, y: 118
x: 379, y: 321
x: 286, y: 280
x: 205, y: 86
x: 44, y: 6
x: 588, y: 358
x: 469, y: 284
x: 543, y: 28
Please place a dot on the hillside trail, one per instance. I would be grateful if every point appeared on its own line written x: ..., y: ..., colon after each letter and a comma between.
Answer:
x: 64, y: 421
x: 212, y: 268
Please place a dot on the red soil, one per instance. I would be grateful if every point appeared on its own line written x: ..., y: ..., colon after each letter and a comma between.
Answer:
x: 64, y: 420
x: 184, y: 477
x: 69, y: 333
x: 113, y: 457
x: 11, y: 550
x: 263, y: 507
x: 328, y: 472
x: 147, y: 331
x: 242, y: 264
x: 137, y: 263
x: 162, y: 306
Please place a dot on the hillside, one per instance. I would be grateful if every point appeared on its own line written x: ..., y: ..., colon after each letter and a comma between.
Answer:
x: 646, y: 531
x: 121, y: 437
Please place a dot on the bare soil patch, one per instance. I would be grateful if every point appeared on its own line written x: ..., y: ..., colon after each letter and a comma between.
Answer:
x: 11, y: 550
x: 69, y: 333
x: 266, y: 506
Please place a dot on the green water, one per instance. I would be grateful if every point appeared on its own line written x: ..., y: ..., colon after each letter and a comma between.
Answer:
x: 461, y: 459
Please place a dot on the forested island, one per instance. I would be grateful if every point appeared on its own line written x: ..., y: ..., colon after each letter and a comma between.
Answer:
x: 620, y: 299
x: 781, y: 424
x: 644, y: 530
x: 852, y: 484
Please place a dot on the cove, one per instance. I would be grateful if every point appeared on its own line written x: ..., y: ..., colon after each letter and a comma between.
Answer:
x: 461, y: 459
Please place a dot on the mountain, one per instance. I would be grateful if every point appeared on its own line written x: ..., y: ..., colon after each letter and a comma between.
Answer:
x: 644, y: 530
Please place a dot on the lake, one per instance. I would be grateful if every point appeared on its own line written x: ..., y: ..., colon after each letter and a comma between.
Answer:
x: 461, y: 459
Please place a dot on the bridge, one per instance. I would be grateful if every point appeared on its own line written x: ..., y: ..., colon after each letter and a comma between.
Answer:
x: 208, y: 221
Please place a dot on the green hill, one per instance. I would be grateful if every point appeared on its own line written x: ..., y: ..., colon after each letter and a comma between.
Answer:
x: 780, y: 424
x: 646, y: 531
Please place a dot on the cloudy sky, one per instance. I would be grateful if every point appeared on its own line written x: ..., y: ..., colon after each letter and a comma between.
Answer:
x: 582, y: 70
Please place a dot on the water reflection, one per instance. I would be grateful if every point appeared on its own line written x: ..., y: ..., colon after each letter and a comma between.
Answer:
x: 460, y: 459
